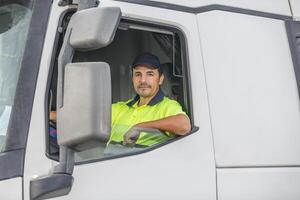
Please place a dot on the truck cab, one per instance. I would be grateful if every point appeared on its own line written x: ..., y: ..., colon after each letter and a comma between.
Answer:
x: 234, y: 66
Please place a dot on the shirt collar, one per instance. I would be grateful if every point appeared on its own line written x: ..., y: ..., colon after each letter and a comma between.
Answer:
x: 155, y: 100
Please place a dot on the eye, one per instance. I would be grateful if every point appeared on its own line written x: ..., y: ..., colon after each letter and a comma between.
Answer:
x: 150, y: 73
x: 137, y: 74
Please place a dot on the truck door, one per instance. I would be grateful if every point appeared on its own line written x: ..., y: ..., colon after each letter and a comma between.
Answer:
x: 177, y: 169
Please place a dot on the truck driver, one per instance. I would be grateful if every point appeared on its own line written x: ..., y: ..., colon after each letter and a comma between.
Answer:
x: 133, y: 121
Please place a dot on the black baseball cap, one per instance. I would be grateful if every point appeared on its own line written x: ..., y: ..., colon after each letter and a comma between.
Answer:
x: 148, y: 60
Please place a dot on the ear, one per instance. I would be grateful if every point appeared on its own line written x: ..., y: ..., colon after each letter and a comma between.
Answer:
x: 161, y: 79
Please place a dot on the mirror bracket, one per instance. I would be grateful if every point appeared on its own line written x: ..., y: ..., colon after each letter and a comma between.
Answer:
x: 66, y: 161
x: 82, y: 4
x: 58, y: 182
x: 65, y: 56
x: 85, y: 4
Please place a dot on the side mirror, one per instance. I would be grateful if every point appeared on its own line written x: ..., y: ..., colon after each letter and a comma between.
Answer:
x: 49, y: 186
x: 83, y: 123
x: 85, y: 119
x: 84, y: 106
x: 83, y: 98
x: 88, y: 24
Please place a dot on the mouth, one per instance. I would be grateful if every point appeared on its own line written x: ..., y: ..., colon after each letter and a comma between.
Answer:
x: 144, y: 87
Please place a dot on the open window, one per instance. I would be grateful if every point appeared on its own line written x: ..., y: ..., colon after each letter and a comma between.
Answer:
x: 131, y: 39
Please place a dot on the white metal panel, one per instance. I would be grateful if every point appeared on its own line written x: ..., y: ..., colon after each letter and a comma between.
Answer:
x: 269, y: 6
x: 295, y: 6
x: 252, y: 90
x: 259, y: 184
x: 11, y: 189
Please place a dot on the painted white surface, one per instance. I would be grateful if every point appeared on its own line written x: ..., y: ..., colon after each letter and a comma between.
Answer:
x: 170, y: 172
x: 11, y: 189
x: 271, y: 6
x: 295, y: 5
x: 252, y: 90
x: 259, y: 184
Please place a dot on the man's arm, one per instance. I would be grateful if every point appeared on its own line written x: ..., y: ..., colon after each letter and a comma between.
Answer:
x: 178, y: 124
x: 52, y: 116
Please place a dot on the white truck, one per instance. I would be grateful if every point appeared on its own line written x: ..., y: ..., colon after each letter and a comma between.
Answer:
x: 234, y: 66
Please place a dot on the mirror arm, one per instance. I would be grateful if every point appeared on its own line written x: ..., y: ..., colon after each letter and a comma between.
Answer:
x: 65, y: 56
x: 85, y: 4
x: 66, y: 161
x: 65, y: 2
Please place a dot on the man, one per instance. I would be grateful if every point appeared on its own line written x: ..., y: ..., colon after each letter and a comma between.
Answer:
x: 151, y: 117
x: 133, y: 121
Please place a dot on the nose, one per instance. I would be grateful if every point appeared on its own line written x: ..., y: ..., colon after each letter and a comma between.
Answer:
x: 143, y: 79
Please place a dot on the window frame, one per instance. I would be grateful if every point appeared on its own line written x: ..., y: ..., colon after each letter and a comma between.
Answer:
x: 186, y: 83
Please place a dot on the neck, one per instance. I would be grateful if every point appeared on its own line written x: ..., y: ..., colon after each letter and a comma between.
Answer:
x: 146, y: 100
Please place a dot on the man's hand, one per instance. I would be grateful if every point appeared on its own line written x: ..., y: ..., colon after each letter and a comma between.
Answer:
x: 131, y: 136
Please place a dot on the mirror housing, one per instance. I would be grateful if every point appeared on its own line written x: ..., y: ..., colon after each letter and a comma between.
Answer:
x: 50, y: 186
x: 58, y: 182
x: 94, y: 28
x: 84, y: 120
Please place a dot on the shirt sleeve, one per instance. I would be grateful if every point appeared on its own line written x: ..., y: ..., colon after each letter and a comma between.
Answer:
x: 173, y: 108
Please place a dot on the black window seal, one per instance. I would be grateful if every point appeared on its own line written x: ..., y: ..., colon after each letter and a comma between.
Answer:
x: 20, y: 118
x: 203, y: 9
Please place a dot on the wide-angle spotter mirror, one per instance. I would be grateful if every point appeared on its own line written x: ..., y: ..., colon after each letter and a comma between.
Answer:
x: 94, y: 28
x: 84, y: 120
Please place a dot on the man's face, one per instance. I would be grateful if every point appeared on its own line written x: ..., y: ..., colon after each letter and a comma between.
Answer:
x: 146, y: 81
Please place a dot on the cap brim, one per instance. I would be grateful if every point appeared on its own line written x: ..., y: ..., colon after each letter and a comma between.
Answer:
x: 145, y: 64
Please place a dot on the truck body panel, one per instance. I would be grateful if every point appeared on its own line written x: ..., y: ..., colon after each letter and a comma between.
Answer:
x: 242, y: 96
x: 295, y: 8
